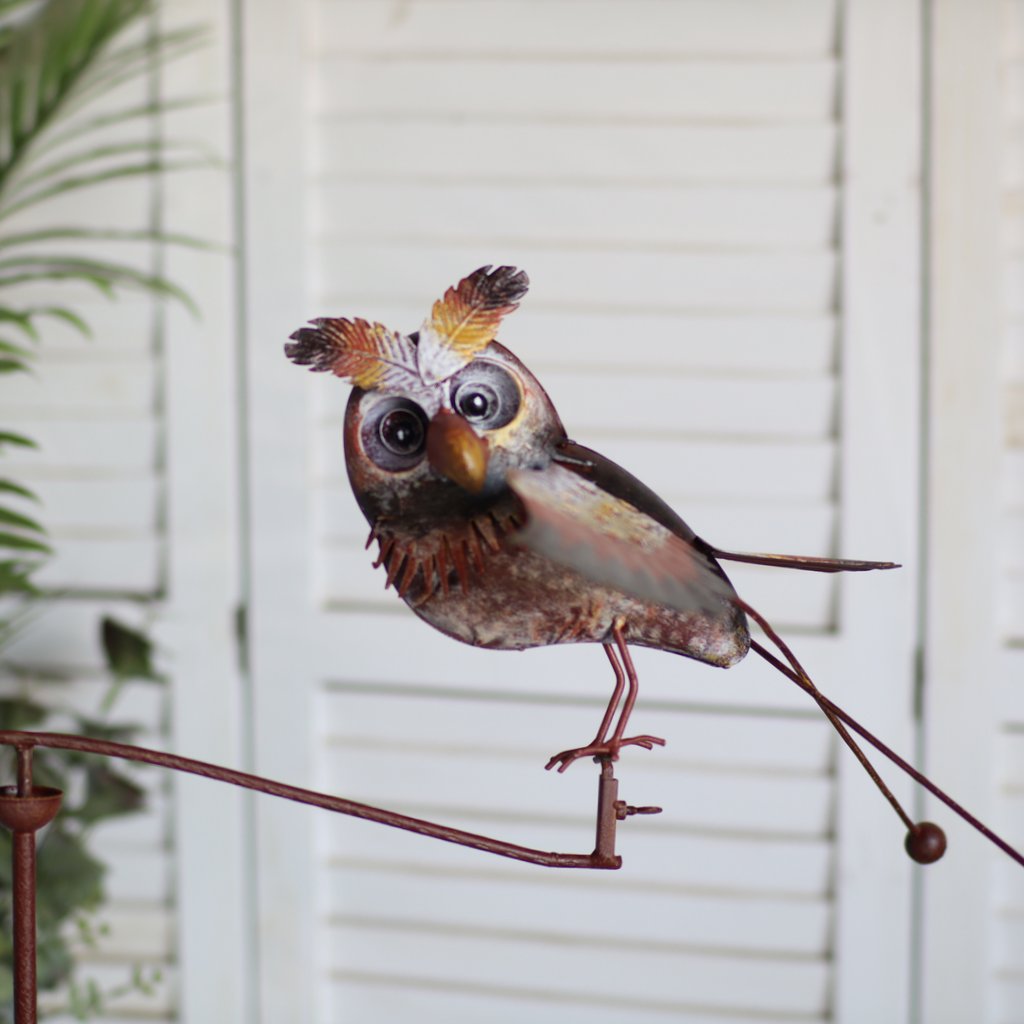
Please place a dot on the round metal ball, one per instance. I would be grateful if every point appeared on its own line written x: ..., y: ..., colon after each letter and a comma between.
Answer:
x: 925, y: 842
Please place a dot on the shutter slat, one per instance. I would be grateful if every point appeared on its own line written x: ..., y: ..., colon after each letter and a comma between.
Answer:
x: 665, y: 980
x: 659, y: 858
x: 699, y: 923
x: 346, y: 275
x: 596, y: 89
x: 752, y: 742
x: 386, y: 997
x: 395, y: 777
x: 516, y: 152
x: 577, y: 215
x: 559, y: 27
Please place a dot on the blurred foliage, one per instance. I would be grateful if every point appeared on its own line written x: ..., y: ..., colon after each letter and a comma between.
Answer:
x: 70, y: 886
x: 57, y: 59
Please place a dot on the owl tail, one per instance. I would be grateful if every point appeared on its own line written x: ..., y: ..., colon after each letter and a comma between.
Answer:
x: 809, y: 563
x: 925, y: 841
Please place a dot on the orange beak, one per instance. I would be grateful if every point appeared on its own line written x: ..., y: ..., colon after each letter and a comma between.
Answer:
x: 457, y: 451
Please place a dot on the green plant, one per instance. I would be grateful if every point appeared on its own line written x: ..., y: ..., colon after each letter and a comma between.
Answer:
x: 57, y: 59
x: 70, y: 877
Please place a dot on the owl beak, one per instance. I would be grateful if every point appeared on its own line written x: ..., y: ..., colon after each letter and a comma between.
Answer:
x: 457, y: 451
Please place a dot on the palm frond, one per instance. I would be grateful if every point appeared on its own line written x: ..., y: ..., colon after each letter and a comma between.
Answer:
x: 43, y: 62
x: 146, y: 169
x: 127, y: 62
x: 19, y: 440
x: 153, y: 148
x: 10, y: 487
x: 89, y: 126
x: 20, y: 543
x: 103, y: 274
x: 62, y: 234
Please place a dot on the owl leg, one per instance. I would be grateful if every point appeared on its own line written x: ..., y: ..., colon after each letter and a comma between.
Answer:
x: 602, y: 746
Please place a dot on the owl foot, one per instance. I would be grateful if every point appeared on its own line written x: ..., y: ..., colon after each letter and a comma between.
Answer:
x: 599, y: 751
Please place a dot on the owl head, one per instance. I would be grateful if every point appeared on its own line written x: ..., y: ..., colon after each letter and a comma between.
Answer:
x: 437, y: 418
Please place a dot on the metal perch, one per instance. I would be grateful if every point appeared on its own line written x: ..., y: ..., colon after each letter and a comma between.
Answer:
x: 25, y: 809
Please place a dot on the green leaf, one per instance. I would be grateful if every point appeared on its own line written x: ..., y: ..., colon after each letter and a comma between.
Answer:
x: 15, y: 578
x: 77, y: 182
x: 9, y: 437
x: 18, y: 543
x: 69, y: 875
x: 67, y: 315
x: 21, y: 319
x: 21, y: 713
x: 98, y: 729
x: 104, y: 235
x: 46, y: 58
x: 157, y: 150
x: 103, y: 274
x: 87, y: 126
x: 12, y: 488
x: 108, y: 793
x: 128, y: 62
x: 17, y: 519
x: 128, y: 652
x: 18, y: 352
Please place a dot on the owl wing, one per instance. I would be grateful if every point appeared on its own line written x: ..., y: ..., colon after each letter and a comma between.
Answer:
x: 576, y: 523
x: 613, y: 478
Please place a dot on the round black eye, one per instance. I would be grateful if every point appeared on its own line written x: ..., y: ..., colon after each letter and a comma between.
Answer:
x: 394, y: 434
x: 485, y: 394
x: 401, y: 432
x: 477, y: 401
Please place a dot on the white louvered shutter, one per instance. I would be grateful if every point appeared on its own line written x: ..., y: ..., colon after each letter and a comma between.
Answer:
x: 94, y: 408
x: 136, y: 468
x: 718, y: 211
x: 1007, y: 977
x: 972, y: 910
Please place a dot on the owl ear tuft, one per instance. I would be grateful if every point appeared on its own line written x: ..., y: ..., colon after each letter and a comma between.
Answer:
x: 369, y: 354
x: 466, y: 320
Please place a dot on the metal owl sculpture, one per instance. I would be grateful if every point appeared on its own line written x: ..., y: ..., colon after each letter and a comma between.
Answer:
x: 499, y: 531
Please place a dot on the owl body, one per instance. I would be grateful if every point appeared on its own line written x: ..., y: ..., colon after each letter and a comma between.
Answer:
x: 453, y: 555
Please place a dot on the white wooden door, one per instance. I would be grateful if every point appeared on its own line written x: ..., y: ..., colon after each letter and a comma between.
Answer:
x: 719, y: 213
x: 972, y: 913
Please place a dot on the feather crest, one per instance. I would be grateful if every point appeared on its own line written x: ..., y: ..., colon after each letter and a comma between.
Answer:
x: 466, y: 320
x: 368, y: 354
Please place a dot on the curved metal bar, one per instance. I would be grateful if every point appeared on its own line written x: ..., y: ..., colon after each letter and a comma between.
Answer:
x: 603, y: 857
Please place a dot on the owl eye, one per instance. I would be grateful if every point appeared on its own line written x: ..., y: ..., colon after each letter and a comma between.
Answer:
x: 486, y: 395
x: 401, y: 432
x: 477, y: 402
x: 394, y: 434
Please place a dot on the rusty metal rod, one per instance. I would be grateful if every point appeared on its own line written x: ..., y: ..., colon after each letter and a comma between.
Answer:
x: 23, y: 859
x: 922, y: 780
x: 605, y: 859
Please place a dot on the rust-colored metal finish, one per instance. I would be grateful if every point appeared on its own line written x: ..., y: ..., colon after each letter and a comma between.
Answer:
x: 26, y: 740
x: 25, y: 809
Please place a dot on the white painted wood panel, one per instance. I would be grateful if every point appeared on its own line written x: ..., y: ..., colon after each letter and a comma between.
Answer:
x: 463, y: 1002
x: 643, y: 977
x: 575, y: 215
x: 667, y: 176
x: 212, y: 879
x: 560, y: 27
x: 644, y: 89
x: 725, y: 281
x: 479, y: 148
x: 677, y: 862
